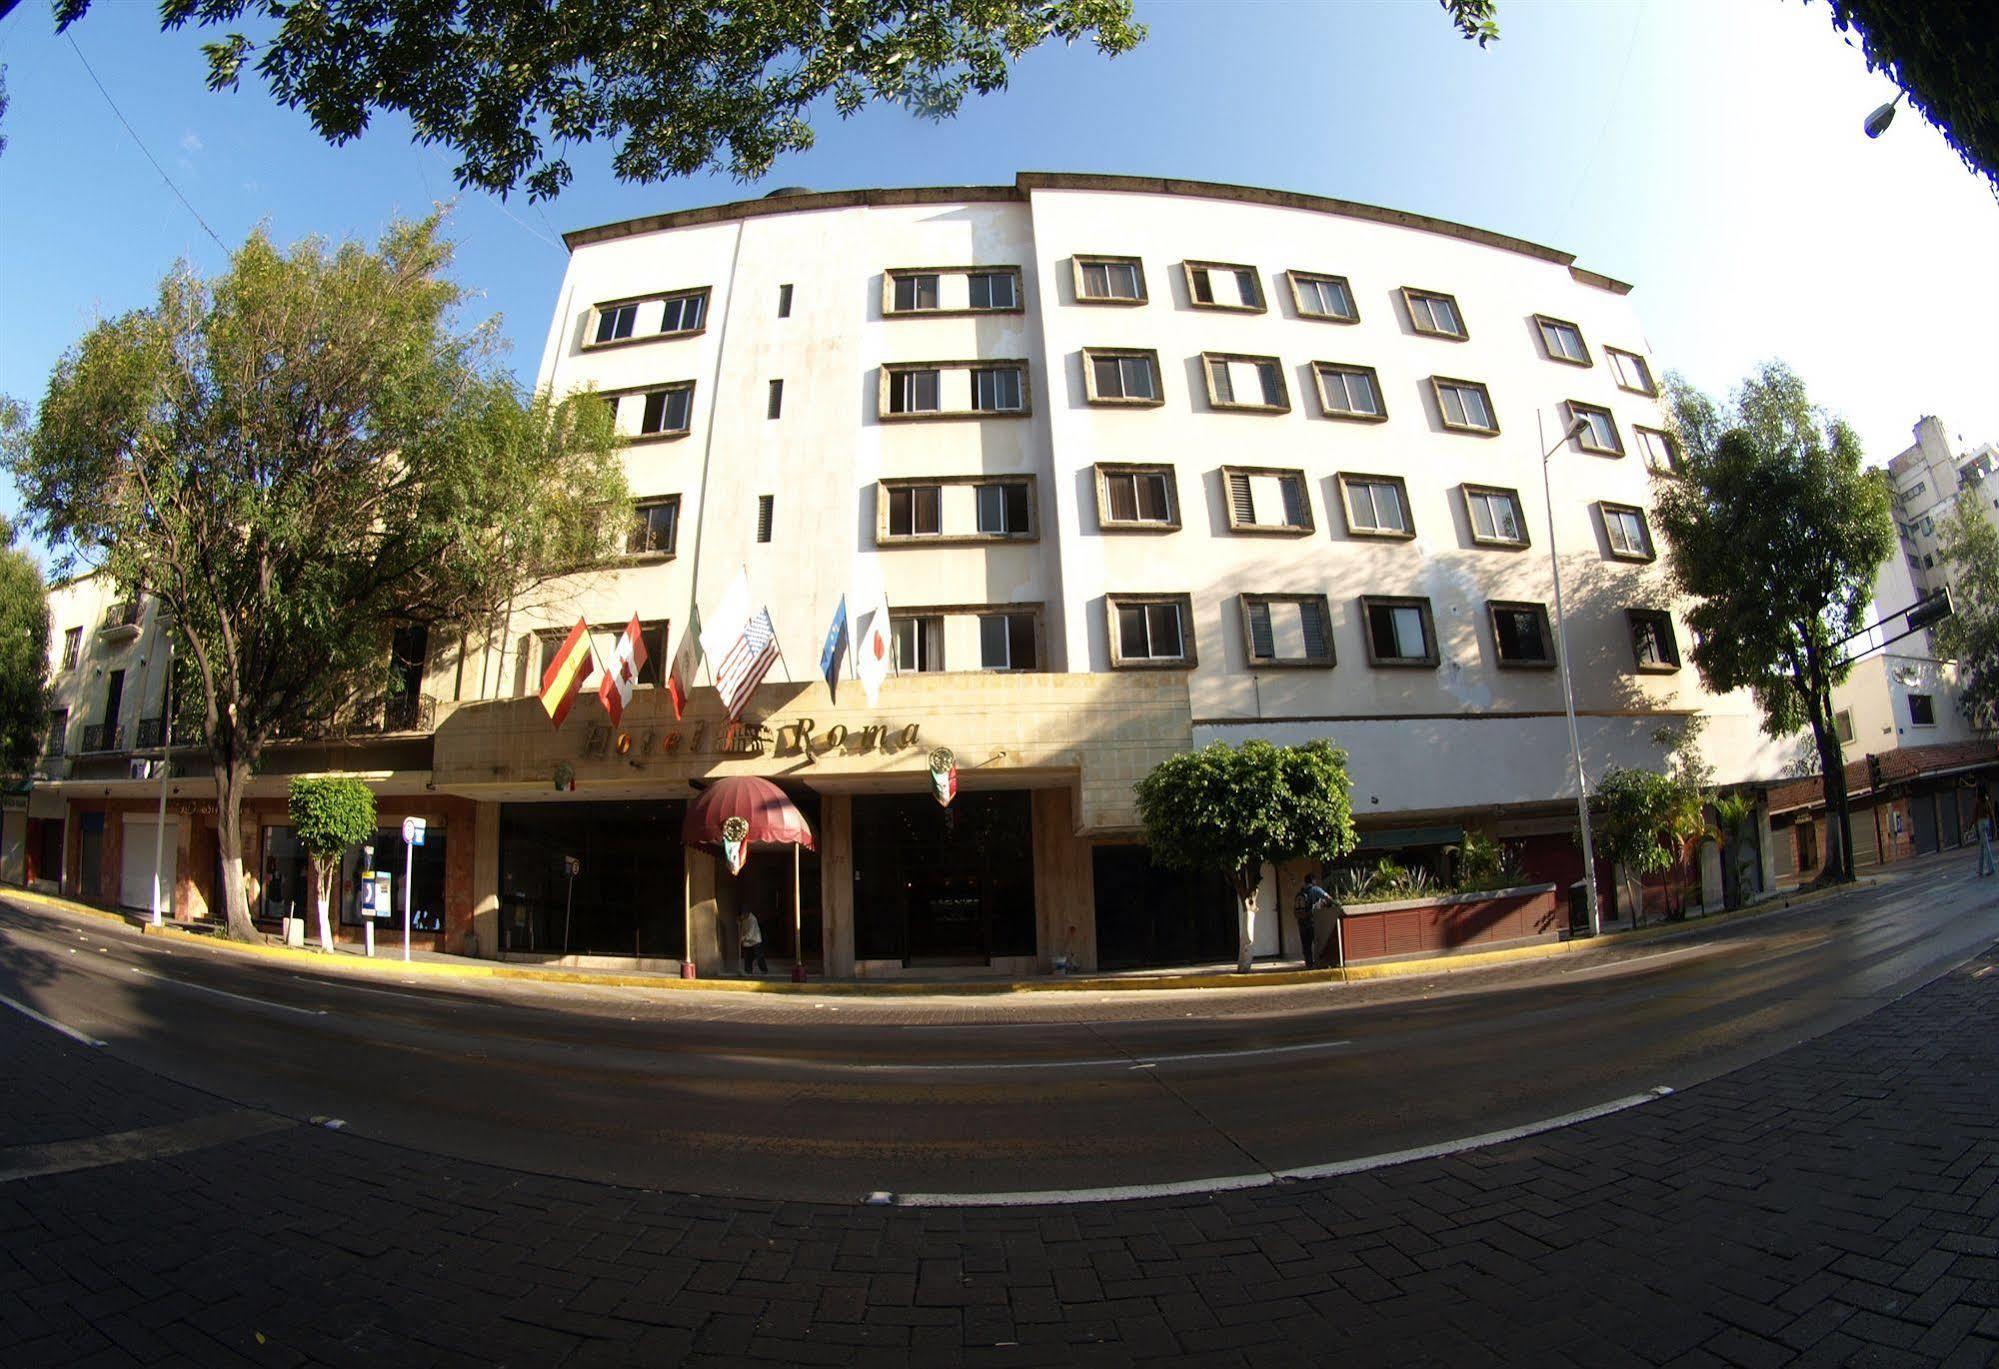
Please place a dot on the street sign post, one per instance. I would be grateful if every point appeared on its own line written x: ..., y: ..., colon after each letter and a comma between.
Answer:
x: 571, y: 866
x: 412, y: 838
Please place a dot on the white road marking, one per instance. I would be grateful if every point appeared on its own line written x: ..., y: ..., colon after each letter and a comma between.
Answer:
x: 1098, y: 1062
x: 1639, y: 960
x: 71, y: 1032
x: 224, y: 993
x: 363, y: 988
x: 1232, y: 1182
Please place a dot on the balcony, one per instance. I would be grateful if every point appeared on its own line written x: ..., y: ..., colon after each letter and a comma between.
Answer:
x: 375, y: 717
x: 102, y: 737
x: 152, y: 733
x: 409, y: 713
x: 121, y: 621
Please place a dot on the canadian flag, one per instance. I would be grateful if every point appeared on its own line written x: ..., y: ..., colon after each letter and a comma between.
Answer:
x: 622, y: 675
x: 874, y: 653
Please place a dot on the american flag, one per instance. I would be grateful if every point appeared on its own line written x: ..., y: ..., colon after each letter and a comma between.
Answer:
x: 748, y: 661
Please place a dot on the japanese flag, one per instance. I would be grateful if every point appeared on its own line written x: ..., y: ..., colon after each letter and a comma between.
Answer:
x: 622, y: 676
x: 874, y: 652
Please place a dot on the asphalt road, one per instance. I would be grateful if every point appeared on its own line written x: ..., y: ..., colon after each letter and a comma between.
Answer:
x: 837, y: 1099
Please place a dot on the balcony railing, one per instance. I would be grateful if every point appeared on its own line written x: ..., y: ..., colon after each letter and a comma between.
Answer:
x: 103, y: 737
x: 123, y: 619
x: 370, y: 718
x: 409, y: 713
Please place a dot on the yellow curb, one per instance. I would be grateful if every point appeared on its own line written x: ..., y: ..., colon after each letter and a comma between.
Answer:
x: 1224, y: 979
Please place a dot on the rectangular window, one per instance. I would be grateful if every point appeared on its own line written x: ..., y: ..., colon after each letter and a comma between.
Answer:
x: 1464, y: 405
x: 1349, y: 391
x: 1323, y: 297
x: 614, y: 324
x: 1520, y: 634
x: 1136, y: 497
x: 1002, y: 509
x: 784, y: 301
x: 1245, y: 382
x: 954, y: 389
x: 775, y: 406
x: 1109, y: 280
x: 1599, y: 432
x: 58, y: 739
x: 915, y: 293
x: 1657, y: 448
x: 994, y: 290
x: 655, y: 527
x: 1223, y: 285
x: 766, y: 514
x: 1399, y: 631
x: 1150, y: 630
x: 1653, y: 646
x: 1434, y: 314
x: 997, y: 390
x: 72, y: 646
x: 1263, y: 499
x: 919, y: 643
x: 915, y: 511
x: 912, y: 392
x: 1376, y: 506
x: 1632, y: 372
x: 1120, y: 376
x: 1842, y: 726
x: 1624, y: 528
x: 1006, y: 641
x: 955, y: 509
x: 1287, y: 630
x: 685, y: 313
x: 1922, y: 711
x: 1562, y: 340
x: 668, y: 411
x: 1495, y: 515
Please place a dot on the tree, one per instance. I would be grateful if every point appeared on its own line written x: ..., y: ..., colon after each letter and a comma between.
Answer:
x: 679, y: 87
x: 329, y: 814
x: 297, y: 459
x: 24, y: 656
x: 1971, y: 633
x: 1774, y: 531
x: 1733, y: 814
x: 1636, y: 819
x: 1228, y: 809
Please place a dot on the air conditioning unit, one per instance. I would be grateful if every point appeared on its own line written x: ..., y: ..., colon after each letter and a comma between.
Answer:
x: 142, y: 770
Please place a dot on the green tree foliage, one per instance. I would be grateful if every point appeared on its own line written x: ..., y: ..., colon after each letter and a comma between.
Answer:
x: 24, y: 656
x: 1477, y: 20
x: 1733, y: 815
x: 1971, y: 633
x: 1638, y: 819
x: 678, y: 87
x: 298, y: 458
x: 1774, y: 531
x: 1229, y: 809
x: 1945, y: 54
x: 329, y: 814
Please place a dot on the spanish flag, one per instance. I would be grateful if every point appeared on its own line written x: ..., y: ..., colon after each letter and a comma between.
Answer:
x: 566, y: 673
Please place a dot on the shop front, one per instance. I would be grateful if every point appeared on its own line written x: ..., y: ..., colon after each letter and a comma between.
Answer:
x: 590, y: 879
x: 940, y: 886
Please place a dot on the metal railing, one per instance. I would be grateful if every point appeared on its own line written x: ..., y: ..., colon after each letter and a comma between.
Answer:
x: 103, y: 737
x: 122, y: 615
x: 369, y: 718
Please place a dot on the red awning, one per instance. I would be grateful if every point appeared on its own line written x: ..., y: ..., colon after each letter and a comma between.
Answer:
x: 774, y: 820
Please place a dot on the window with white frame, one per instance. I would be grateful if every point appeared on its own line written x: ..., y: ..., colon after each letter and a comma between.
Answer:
x: 1464, y: 405
x: 914, y: 292
x: 951, y: 290
x: 1245, y: 382
x: 1109, y: 280
x: 1136, y: 497
x: 615, y: 322
x: 1323, y: 297
x: 1266, y: 499
x: 1654, y: 648
x: 1121, y: 375
x: 1376, y: 505
x: 684, y: 313
x: 1434, y: 314
x: 1625, y: 530
x: 1347, y: 391
x: 1150, y: 630
x: 1006, y: 641
x: 1922, y: 711
x: 655, y: 527
x: 1002, y: 508
x: 1495, y: 515
x: 647, y: 318
x: 1400, y: 631
x: 1287, y: 630
x: 994, y: 291
x: 953, y: 389
x: 918, y: 642
x: 1520, y: 634
x: 916, y: 511
x: 654, y: 412
x: 1562, y: 340
x: 1657, y: 448
x: 1599, y: 432
x: 914, y: 391
x: 1223, y: 285
x: 997, y: 389
x: 1632, y: 371
x: 961, y: 508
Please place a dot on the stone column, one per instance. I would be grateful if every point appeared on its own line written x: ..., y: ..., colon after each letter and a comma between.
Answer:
x: 836, y: 884
x: 485, y: 836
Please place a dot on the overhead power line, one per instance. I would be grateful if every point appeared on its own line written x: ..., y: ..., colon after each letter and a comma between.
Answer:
x: 142, y: 144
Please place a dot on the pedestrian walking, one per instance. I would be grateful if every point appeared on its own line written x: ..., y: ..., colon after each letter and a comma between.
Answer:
x: 1981, y: 818
x: 751, y: 933
x: 1306, y: 908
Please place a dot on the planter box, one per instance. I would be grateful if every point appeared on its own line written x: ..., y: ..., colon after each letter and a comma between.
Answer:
x: 1435, y: 926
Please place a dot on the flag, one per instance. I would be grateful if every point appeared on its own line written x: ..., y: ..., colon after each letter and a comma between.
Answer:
x: 874, y: 654
x: 686, y: 662
x: 746, y: 663
x: 621, y: 677
x: 735, y: 843
x: 836, y: 648
x: 566, y: 673
x: 944, y: 775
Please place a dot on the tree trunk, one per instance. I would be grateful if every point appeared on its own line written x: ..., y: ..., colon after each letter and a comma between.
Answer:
x: 1832, y: 774
x: 230, y: 777
x: 1245, y: 888
x: 322, y: 874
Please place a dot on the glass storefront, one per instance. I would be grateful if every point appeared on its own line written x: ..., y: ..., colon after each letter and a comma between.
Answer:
x: 287, y: 890
x: 628, y: 896
x: 943, y: 886
x: 1148, y: 915
x: 426, y: 881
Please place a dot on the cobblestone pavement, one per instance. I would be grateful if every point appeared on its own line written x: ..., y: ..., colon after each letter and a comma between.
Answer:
x: 1832, y: 1204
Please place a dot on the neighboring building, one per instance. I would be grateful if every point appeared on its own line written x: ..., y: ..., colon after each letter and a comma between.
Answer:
x: 1910, y: 801
x: 1139, y: 464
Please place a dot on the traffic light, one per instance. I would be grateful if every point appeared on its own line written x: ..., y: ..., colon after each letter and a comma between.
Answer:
x: 1874, y: 772
x: 1931, y: 610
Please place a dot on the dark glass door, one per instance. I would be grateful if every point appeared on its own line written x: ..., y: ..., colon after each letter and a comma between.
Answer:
x: 943, y: 886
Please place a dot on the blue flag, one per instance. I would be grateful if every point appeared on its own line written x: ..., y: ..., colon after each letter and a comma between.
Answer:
x: 836, y: 650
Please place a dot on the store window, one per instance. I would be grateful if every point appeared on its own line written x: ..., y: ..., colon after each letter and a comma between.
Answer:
x: 628, y: 896
x: 425, y: 887
x: 935, y: 886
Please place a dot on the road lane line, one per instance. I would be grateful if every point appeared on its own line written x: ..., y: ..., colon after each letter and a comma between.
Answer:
x: 1233, y: 1182
x: 224, y: 993
x: 142, y: 1143
x: 363, y: 988
x: 71, y: 1032
x: 1096, y: 1062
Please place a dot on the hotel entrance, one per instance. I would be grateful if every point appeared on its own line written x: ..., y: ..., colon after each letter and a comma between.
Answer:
x: 940, y: 886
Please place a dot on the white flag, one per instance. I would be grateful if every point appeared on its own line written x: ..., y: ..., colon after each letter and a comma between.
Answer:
x: 722, y: 629
x: 874, y: 650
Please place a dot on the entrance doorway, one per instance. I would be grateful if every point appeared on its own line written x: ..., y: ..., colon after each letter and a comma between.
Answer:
x: 938, y: 886
x: 628, y: 896
x: 1149, y: 916
x: 90, y: 857
x: 764, y: 888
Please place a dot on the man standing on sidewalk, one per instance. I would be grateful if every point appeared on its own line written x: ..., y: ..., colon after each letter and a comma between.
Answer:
x: 1981, y: 818
x: 1311, y: 899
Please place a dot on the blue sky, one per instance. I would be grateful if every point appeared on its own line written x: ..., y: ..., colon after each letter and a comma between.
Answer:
x: 1709, y: 151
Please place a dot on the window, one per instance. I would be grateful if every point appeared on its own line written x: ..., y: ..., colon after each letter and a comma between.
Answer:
x: 1002, y: 509
x: 684, y: 313
x: 784, y: 301
x: 1464, y: 405
x: 1562, y: 340
x: 72, y: 645
x: 919, y: 643
x: 664, y: 411
x: 58, y: 739
x: 913, y: 293
x: 1652, y: 642
x: 614, y: 324
x: 1433, y: 314
x: 766, y: 513
x: 1349, y: 391
x: 1495, y: 515
x: 655, y: 527
x: 996, y: 290
x: 775, y: 407
x: 1121, y: 376
x: 1137, y: 497
x: 1245, y: 382
x: 951, y: 290
x: 1520, y: 635
x: 1624, y: 528
x: 1399, y: 631
x: 1922, y: 711
x: 954, y: 389
x: 912, y: 392
x: 1223, y: 285
x: 1264, y: 499
x: 997, y: 389
x: 1006, y: 641
x: 1842, y: 726
x: 915, y: 511
x: 1323, y: 297
x: 1150, y: 631
x: 1109, y: 280
x: 1376, y: 506
x: 1600, y: 431
x: 1657, y: 448
x: 1287, y: 630
x: 1632, y: 372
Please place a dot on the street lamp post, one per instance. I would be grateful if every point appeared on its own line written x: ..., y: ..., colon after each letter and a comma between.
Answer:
x: 166, y: 766
x: 1568, y: 689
